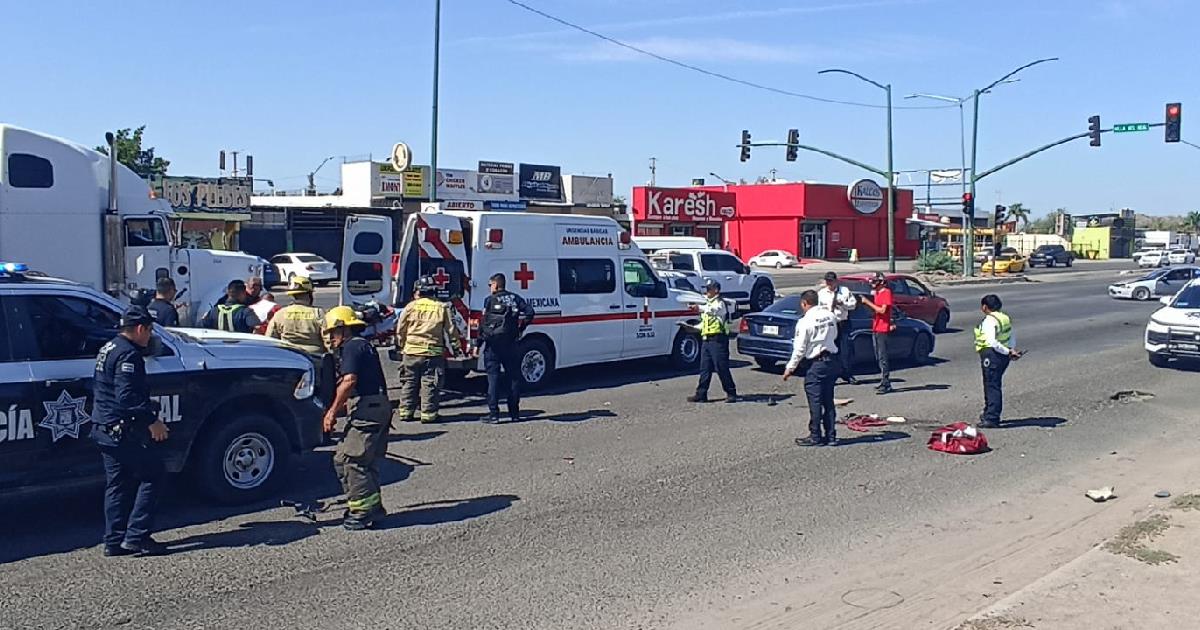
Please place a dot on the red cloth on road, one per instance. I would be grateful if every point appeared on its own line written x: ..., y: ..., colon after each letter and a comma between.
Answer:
x: 864, y: 423
x: 958, y: 438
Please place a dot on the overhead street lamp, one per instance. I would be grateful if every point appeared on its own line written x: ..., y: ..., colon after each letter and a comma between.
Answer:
x: 962, y: 128
x: 891, y: 174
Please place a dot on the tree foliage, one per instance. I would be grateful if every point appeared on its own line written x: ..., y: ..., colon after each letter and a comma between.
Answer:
x: 131, y: 154
x: 938, y: 261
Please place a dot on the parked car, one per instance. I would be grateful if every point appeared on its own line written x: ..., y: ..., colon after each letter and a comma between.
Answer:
x: 911, y: 296
x: 304, y: 265
x: 1181, y: 257
x: 776, y: 258
x: 1154, y: 258
x: 767, y: 336
x: 1005, y: 263
x: 1173, y: 331
x: 1136, y: 256
x: 1156, y: 283
x: 738, y: 282
x: 1050, y: 256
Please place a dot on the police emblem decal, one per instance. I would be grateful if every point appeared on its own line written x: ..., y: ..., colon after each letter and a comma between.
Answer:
x: 64, y: 416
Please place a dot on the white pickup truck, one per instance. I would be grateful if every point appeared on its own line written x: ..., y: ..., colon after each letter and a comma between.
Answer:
x: 754, y: 289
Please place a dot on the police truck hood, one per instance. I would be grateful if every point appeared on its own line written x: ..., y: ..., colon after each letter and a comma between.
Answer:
x: 231, y: 346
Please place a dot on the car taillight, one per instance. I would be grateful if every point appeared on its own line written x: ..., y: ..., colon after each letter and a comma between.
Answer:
x: 377, y: 267
x: 310, y: 267
x: 744, y: 327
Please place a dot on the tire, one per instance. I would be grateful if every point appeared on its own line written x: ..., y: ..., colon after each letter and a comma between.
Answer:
x: 537, y: 362
x: 243, y: 460
x: 1158, y: 360
x: 942, y: 321
x: 922, y: 348
x: 1070, y: 262
x: 1141, y: 294
x: 762, y: 296
x: 685, y: 351
x: 766, y: 363
x: 1050, y: 263
x: 779, y: 265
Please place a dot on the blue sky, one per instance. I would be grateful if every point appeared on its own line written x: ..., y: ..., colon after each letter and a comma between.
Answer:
x: 295, y: 82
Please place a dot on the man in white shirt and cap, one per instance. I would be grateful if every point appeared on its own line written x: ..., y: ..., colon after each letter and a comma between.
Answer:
x: 837, y: 298
x: 814, y: 351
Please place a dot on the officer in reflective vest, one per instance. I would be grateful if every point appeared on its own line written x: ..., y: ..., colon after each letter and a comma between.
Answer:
x: 423, y: 334
x: 715, y: 315
x: 994, y: 343
x: 231, y: 313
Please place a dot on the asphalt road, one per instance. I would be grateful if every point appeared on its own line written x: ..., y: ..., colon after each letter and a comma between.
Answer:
x: 616, y: 504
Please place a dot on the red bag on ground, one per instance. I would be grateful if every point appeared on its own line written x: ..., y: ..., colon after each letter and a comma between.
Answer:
x: 958, y: 438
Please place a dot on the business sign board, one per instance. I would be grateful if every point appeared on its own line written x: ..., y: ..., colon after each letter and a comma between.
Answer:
x: 539, y: 182
x: 588, y: 191
x: 472, y: 185
x: 865, y: 196
x: 683, y: 205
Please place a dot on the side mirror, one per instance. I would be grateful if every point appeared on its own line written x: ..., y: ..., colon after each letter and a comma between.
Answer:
x: 660, y: 289
x: 1166, y: 300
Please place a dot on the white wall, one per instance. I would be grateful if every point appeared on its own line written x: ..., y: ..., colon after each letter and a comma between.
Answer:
x: 1026, y: 243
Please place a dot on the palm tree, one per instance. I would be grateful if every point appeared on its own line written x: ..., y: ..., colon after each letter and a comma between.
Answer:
x: 1193, y: 220
x: 1019, y: 213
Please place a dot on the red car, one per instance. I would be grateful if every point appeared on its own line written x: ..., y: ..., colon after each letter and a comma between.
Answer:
x: 912, y: 297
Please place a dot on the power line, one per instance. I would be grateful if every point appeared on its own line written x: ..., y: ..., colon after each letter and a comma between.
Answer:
x: 710, y: 73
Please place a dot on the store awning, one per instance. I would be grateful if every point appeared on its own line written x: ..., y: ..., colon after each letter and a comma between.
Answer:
x: 214, y: 216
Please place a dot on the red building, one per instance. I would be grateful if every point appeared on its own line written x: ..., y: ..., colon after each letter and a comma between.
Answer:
x: 809, y: 220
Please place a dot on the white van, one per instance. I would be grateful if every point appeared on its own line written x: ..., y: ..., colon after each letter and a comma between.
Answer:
x: 595, y: 295
x: 651, y: 244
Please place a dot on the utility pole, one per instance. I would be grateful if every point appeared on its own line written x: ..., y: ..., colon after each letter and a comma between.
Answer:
x: 653, y: 169
x: 235, y: 168
x: 433, y: 135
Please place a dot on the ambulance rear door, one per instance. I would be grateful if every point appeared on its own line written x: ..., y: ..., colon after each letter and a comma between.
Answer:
x: 437, y: 245
x: 366, y: 253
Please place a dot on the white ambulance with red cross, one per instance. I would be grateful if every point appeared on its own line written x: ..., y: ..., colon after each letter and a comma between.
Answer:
x: 595, y: 295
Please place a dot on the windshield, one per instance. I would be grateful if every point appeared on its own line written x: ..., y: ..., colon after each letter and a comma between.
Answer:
x: 1152, y: 275
x: 1188, y: 298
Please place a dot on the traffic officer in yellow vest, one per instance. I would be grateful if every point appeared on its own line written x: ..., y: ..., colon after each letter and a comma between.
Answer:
x: 362, y: 392
x: 715, y: 316
x: 994, y: 343
x: 424, y: 332
x: 299, y: 323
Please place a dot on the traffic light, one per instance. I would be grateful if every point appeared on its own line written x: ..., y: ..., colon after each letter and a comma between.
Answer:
x: 1174, y: 116
x: 968, y: 204
x: 1000, y: 212
x: 745, y: 145
x: 1094, y: 130
x: 793, y: 140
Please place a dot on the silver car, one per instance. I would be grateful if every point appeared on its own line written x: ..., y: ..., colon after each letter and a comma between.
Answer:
x: 1156, y: 283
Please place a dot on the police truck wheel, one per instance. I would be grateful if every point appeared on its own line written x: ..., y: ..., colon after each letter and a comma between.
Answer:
x: 762, y: 296
x: 242, y: 460
x: 942, y: 322
x: 922, y: 348
x: 1141, y: 294
x: 537, y: 362
x: 685, y: 351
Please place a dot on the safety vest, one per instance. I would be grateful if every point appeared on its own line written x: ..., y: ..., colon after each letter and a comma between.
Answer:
x: 225, y: 314
x: 714, y: 323
x: 1003, y: 331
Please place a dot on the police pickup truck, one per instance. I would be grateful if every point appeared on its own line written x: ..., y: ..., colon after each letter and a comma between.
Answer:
x: 239, y: 406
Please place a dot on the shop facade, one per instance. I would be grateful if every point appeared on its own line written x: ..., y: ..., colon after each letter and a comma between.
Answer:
x: 683, y: 212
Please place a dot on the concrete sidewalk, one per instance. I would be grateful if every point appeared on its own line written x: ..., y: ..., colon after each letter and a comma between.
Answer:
x: 1144, y: 576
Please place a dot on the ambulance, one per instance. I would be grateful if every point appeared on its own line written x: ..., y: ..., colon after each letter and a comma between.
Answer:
x: 595, y: 295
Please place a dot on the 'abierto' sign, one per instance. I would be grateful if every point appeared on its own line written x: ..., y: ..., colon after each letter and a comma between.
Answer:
x: 865, y: 195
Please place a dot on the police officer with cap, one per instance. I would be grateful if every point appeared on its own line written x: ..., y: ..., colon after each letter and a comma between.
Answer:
x: 128, y: 430
x: 715, y: 315
x: 994, y: 342
x: 362, y: 392
x: 424, y: 332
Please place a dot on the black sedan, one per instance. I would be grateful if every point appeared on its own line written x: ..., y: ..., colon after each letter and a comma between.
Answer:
x: 767, y: 336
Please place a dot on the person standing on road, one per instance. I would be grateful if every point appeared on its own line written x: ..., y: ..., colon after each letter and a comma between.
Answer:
x: 715, y: 315
x: 815, y: 354
x: 840, y: 301
x: 128, y: 430
x: 261, y: 302
x: 994, y: 342
x: 362, y: 393
x: 880, y: 303
x: 232, y: 314
x: 162, y: 307
x: 424, y: 332
x: 300, y: 322
x: 505, y: 317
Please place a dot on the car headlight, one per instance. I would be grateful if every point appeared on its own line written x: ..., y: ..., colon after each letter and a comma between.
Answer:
x: 306, y: 385
x: 1158, y: 337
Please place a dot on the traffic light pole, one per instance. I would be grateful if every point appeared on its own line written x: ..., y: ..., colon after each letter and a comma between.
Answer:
x: 852, y: 161
x: 891, y: 188
x: 969, y: 220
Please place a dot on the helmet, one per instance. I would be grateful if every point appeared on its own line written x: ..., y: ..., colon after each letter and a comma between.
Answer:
x: 425, y: 286
x: 342, y: 316
x: 136, y: 315
x: 878, y: 278
x: 299, y: 285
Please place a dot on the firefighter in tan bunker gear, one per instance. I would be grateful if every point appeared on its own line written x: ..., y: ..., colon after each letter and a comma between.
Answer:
x: 424, y: 334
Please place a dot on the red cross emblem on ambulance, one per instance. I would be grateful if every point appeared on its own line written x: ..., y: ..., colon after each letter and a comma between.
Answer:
x: 441, y: 278
x: 524, y: 275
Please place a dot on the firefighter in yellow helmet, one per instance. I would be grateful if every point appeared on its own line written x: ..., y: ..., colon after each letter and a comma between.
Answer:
x: 299, y: 323
x: 362, y: 392
x: 424, y: 332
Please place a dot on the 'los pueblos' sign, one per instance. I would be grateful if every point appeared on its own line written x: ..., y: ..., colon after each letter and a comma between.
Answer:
x: 684, y: 205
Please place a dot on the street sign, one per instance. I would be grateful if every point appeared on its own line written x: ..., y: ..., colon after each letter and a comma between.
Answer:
x: 1131, y: 127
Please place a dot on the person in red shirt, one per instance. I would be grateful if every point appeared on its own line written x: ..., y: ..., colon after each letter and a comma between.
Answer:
x: 880, y: 303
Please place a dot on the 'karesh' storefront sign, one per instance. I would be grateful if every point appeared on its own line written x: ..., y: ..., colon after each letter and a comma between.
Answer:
x: 675, y: 205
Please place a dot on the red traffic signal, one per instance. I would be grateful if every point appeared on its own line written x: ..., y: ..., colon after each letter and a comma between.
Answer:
x: 1174, y: 118
x: 968, y: 203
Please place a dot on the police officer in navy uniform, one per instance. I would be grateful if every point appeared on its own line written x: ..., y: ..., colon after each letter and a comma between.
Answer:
x: 506, y: 315
x: 128, y: 430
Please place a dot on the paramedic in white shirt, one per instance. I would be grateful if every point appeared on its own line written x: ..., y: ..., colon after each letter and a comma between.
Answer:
x: 837, y: 298
x: 994, y: 341
x: 814, y: 351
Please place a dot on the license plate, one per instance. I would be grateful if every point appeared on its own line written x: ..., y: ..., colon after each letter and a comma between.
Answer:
x: 771, y: 331
x: 1190, y: 347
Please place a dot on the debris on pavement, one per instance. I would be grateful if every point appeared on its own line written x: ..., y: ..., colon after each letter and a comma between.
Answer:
x: 1100, y: 495
x: 958, y: 438
x: 1131, y: 396
x: 1162, y: 494
x: 1131, y: 541
x: 842, y: 402
x: 896, y: 419
x: 863, y: 423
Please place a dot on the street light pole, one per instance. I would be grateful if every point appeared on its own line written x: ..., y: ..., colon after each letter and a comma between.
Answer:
x: 433, y: 137
x: 891, y: 174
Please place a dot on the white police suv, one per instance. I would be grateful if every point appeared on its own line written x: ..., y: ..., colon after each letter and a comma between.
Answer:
x: 239, y: 406
x: 1173, y: 331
